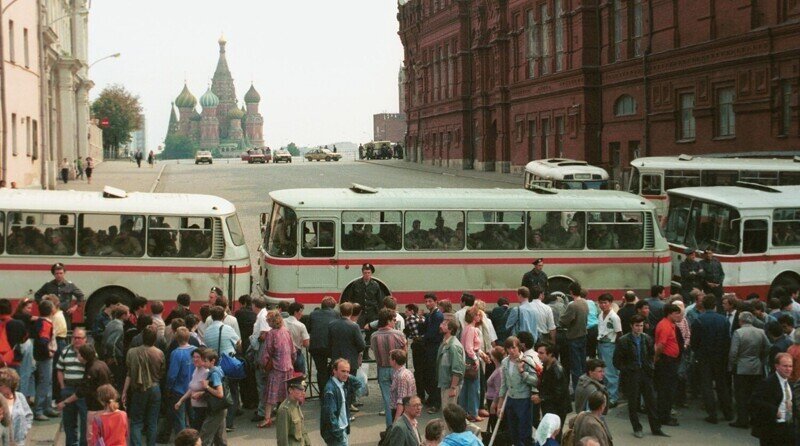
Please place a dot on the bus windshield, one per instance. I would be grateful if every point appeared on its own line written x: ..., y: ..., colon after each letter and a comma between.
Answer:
x: 283, y: 232
x: 699, y: 225
x: 583, y: 185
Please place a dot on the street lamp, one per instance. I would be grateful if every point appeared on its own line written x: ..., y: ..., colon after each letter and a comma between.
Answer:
x: 115, y: 55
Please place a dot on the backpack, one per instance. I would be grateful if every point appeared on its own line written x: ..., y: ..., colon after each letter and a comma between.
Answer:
x: 7, y: 356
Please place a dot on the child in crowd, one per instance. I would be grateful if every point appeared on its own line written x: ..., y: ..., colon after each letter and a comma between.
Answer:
x: 434, y: 432
x: 110, y: 427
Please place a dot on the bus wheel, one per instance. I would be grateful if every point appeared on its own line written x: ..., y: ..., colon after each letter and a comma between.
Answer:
x: 785, y: 280
x: 559, y: 284
x: 97, y: 302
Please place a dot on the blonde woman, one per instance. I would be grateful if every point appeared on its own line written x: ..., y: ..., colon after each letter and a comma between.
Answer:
x: 277, y: 359
x: 21, y: 413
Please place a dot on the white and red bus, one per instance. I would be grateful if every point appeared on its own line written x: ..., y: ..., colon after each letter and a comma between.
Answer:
x: 652, y: 177
x: 128, y: 244
x: 754, y: 230
x: 562, y: 173
x: 449, y: 241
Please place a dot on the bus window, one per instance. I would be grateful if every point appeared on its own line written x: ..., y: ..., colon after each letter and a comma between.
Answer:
x: 633, y: 187
x: 785, y: 227
x: 719, y: 177
x: 283, y: 232
x: 677, y: 218
x: 715, y: 226
x: 371, y: 230
x: 789, y: 179
x: 2, y: 231
x: 493, y: 230
x: 318, y: 239
x: 179, y: 237
x: 41, y: 234
x: 754, y: 238
x: 556, y: 230
x: 651, y: 185
x: 681, y: 178
x: 235, y: 229
x: 434, y: 230
x: 111, y: 235
x: 759, y: 177
x: 615, y: 230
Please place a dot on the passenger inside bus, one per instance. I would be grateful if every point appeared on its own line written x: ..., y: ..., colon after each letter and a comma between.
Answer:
x: 441, y: 232
x: 355, y: 240
x: 552, y: 231
x: 416, y: 238
x: 783, y: 234
x: 284, y: 235
x: 457, y: 242
x: 600, y: 237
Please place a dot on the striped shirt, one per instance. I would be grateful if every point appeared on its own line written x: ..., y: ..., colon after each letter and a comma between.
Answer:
x: 403, y: 385
x: 384, y: 341
x: 69, y: 365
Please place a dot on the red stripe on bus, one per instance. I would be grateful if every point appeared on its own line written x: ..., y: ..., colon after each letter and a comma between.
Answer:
x: 746, y: 258
x: 478, y: 261
x: 128, y: 268
x: 405, y: 297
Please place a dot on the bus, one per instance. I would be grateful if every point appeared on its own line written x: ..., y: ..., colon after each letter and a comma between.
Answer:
x: 753, y: 229
x: 652, y: 177
x: 561, y: 173
x: 126, y: 244
x: 450, y: 241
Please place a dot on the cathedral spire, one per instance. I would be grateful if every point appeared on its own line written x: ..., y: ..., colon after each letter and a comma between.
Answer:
x: 173, y: 121
x: 222, y: 63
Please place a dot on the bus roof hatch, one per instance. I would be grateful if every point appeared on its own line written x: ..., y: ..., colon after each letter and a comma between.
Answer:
x: 113, y: 192
x: 361, y: 189
x: 757, y: 186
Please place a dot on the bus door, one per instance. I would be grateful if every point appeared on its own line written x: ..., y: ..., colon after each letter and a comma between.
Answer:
x: 318, y: 243
x: 755, y: 239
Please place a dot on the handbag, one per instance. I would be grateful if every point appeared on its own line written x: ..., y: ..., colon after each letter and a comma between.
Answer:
x: 217, y: 404
x: 232, y: 366
x: 471, y: 371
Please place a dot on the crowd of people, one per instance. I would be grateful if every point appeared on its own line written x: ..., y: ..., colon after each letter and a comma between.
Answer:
x: 137, y: 377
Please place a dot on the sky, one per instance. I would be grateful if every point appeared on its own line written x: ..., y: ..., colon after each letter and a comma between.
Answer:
x: 322, y: 67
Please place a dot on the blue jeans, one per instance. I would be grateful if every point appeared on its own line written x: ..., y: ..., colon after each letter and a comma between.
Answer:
x: 606, y: 352
x: 143, y: 414
x: 74, y: 419
x: 231, y: 415
x: 518, y: 416
x: 577, y: 358
x: 470, y: 393
x: 177, y: 417
x: 300, y: 362
x: 44, y: 386
x: 27, y: 383
x: 385, y: 383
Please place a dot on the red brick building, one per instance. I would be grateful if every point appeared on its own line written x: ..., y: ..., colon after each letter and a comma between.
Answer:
x: 389, y: 127
x: 492, y: 84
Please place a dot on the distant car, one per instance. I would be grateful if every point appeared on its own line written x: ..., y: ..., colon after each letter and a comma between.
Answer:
x: 254, y: 156
x: 322, y: 154
x: 282, y: 155
x: 203, y: 156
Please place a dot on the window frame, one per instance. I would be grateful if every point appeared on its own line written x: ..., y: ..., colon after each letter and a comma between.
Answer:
x: 688, y: 123
x: 726, y: 115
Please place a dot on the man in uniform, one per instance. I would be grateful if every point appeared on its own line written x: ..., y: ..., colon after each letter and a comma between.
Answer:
x: 290, y: 422
x: 368, y: 294
x: 690, y: 274
x: 536, y: 276
x: 712, y: 276
x: 66, y: 291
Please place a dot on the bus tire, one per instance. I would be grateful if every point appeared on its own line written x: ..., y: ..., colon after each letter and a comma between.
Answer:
x: 785, y: 280
x: 559, y: 284
x: 97, y: 301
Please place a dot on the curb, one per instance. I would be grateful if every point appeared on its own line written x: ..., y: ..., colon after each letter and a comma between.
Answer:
x: 158, y: 178
x: 455, y: 173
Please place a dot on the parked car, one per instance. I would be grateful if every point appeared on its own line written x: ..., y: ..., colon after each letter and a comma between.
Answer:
x: 254, y: 156
x: 203, y: 156
x: 282, y: 155
x: 322, y: 154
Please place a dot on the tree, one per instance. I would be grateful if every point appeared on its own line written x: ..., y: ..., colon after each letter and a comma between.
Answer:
x: 123, y: 111
x: 292, y: 148
x: 178, y: 147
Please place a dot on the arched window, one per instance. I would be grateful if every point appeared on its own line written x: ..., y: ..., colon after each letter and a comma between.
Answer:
x: 625, y: 106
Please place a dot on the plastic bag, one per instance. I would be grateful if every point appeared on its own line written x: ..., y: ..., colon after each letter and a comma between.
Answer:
x: 362, y: 375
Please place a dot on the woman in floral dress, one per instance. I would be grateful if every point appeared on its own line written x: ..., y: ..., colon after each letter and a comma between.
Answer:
x: 277, y: 359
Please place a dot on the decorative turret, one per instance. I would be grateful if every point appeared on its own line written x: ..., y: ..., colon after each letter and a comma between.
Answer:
x: 209, y: 99
x: 172, y: 127
x: 252, y: 96
x: 235, y: 132
x: 236, y: 113
x: 186, y: 99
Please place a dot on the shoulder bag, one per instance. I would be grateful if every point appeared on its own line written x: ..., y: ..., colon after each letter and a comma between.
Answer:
x: 217, y: 404
x: 232, y: 366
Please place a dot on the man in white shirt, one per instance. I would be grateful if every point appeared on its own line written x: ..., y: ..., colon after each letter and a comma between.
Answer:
x: 609, y: 328
x: 300, y: 336
x: 229, y: 320
x: 545, y: 322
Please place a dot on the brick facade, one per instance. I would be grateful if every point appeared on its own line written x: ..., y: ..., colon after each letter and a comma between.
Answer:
x: 389, y: 127
x: 490, y: 85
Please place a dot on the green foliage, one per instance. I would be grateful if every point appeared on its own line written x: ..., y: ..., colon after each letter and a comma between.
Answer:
x: 215, y: 153
x: 178, y: 147
x: 123, y: 111
x: 292, y: 148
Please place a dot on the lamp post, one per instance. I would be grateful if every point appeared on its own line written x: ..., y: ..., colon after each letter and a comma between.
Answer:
x: 115, y: 55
